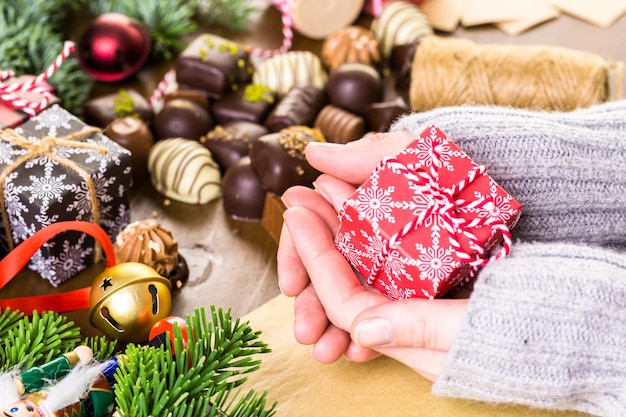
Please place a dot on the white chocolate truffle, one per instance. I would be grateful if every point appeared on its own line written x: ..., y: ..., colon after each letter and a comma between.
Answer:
x: 400, y: 23
x: 316, y: 19
x: 184, y: 170
x: 283, y: 71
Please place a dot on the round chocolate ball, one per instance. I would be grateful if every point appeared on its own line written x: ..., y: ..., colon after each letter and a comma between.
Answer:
x: 243, y: 195
x: 134, y: 135
x: 182, y: 118
x: 353, y: 87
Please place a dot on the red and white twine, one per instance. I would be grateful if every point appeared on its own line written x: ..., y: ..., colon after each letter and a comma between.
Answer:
x: 8, y: 91
x: 443, y: 204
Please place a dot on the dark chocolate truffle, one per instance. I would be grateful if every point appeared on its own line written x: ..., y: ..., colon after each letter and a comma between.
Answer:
x: 353, y: 87
x: 380, y: 116
x: 298, y: 107
x: 134, y: 135
x: 103, y: 110
x: 213, y: 65
x: 338, y: 125
x: 243, y: 194
x: 231, y: 142
x: 251, y: 104
x: 182, y: 118
x: 278, y: 158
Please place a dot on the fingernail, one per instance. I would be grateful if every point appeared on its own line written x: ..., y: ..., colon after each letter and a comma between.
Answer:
x: 373, y: 332
x: 329, y: 145
x: 321, y: 191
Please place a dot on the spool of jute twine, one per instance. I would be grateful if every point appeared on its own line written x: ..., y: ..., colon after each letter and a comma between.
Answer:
x: 453, y: 71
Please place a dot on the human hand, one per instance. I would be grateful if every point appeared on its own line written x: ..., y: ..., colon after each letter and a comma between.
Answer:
x: 334, y: 311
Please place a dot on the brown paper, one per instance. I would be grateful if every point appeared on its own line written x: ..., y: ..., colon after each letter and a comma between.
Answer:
x: 383, y: 387
x: 601, y: 13
x: 444, y: 14
x: 538, y: 11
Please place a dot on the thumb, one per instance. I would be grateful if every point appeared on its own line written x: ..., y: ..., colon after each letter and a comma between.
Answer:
x: 355, y: 161
x: 413, y: 323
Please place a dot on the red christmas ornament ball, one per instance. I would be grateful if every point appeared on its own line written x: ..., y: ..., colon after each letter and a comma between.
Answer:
x: 164, y: 327
x: 113, y: 47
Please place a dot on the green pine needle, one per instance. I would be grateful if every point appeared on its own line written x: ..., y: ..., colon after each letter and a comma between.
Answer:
x: 234, y: 14
x: 101, y: 347
x: 197, y: 379
x: 35, y: 340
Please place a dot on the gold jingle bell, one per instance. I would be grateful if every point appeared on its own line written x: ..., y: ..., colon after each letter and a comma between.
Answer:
x: 127, y: 299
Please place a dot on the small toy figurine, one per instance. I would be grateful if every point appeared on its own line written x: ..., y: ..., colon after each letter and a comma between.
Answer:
x: 71, y: 385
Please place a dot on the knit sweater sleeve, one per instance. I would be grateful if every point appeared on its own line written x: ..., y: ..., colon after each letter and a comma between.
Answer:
x: 546, y: 327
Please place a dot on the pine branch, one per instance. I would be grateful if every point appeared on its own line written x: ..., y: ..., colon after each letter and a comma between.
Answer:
x: 234, y: 14
x: 101, y: 347
x: 197, y: 378
x: 35, y: 340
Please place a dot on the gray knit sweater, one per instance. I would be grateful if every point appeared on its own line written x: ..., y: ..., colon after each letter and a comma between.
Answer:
x: 546, y: 326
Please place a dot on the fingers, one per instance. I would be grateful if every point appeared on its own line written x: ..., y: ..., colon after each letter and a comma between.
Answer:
x: 331, y: 345
x: 334, y: 191
x: 355, y: 161
x: 310, y: 320
x: 292, y: 276
x: 336, y: 284
x: 412, y: 323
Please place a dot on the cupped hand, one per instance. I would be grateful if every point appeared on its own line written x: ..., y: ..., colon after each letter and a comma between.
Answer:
x: 333, y: 310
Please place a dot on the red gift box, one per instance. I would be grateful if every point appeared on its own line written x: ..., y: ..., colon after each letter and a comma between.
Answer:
x: 425, y: 220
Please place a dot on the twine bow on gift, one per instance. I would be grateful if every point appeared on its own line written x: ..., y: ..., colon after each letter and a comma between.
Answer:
x: 45, y: 147
x: 442, y: 203
x: 31, y: 108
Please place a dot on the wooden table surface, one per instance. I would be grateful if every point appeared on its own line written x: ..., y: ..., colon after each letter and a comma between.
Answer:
x: 233, y: 264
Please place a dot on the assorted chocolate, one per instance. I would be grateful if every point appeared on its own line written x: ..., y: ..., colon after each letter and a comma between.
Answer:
x: 243, y: 193
x: 231, y: 142
x: 214, y: 66
x: 184, y: 170
x: 103, y: 110
x: 351, y: 44
x: 182, y: 118
x: 299, y: 106
x: 279, y: 161
x: 237, y: 129
x: 133, y: 134
x: 283, y: 71
x: 250, y: 104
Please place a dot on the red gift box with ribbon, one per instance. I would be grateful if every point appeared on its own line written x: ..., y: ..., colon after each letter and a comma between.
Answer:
x: 425, y: 220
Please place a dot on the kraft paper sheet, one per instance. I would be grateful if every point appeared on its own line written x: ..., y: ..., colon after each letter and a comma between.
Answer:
x: 380, y: 388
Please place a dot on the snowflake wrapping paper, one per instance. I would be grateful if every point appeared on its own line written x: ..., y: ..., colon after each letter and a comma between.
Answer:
x: 53, y: 168
x: 425, y: 220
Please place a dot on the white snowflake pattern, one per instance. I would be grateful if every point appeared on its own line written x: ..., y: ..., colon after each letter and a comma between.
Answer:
x: 70, y: 261
x: 50, y: 120
x: 47, y: 188
x: 435, y: 263
x: 374, y: 203
x: 8, y: 152
x: 497, y: 206
x: 343, y: 243
x: 434, y: 149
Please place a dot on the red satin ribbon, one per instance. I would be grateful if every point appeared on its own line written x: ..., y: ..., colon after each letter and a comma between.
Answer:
x: 13, y: 263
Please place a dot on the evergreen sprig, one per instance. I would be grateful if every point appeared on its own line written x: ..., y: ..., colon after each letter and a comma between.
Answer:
x: 233, y: 14
x: 31, y: 33
x: 30, y: 341
x: 198, y: 378
x: 102, y: 347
